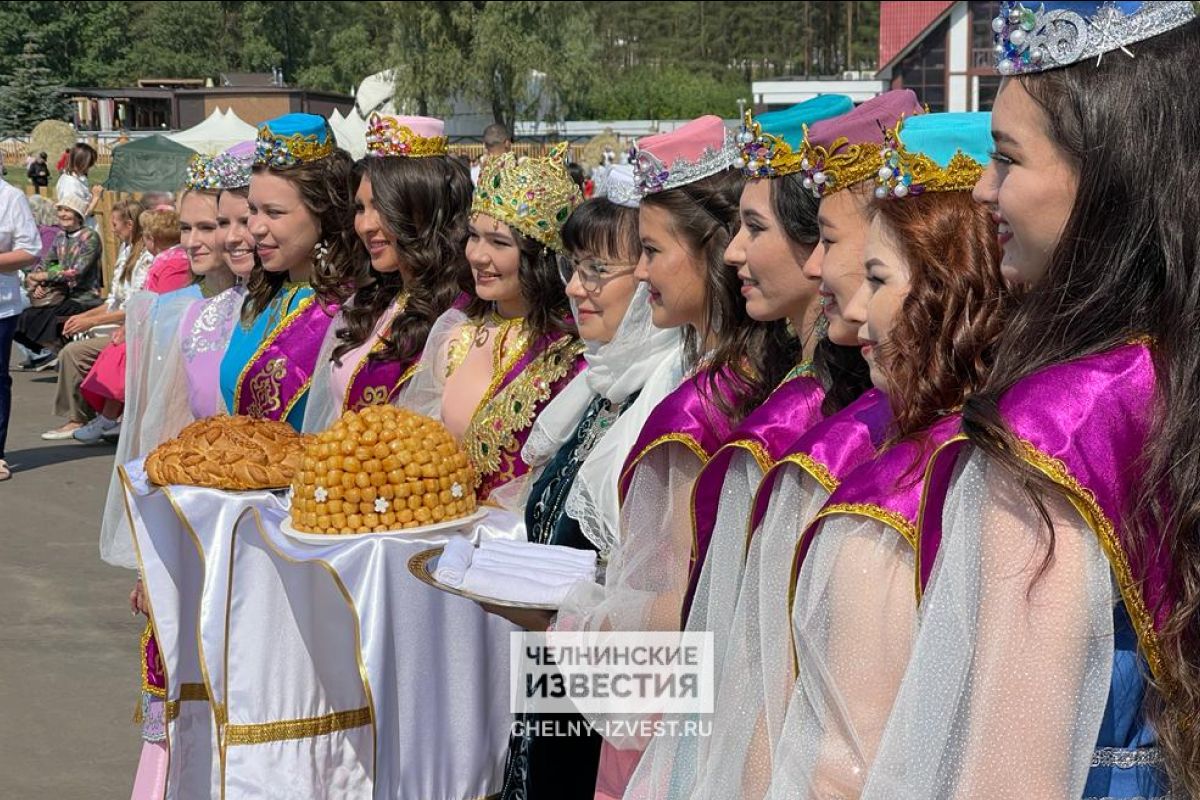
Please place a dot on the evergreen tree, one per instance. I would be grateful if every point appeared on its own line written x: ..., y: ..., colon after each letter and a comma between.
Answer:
x: 30, y: 94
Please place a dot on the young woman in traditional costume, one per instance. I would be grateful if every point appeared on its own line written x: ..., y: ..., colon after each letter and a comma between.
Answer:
x: 1058, y: 652
x: 931, y: 310
x: 301, y: 217
x: 690, y: 189
x: 836, y: 166
x: 410, y: 215
x: 490, y: 368
x: 580, y: 441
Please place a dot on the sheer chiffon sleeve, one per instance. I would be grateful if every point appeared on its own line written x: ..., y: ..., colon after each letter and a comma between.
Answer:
x: 753, y: 670
x: 1010, y: 669
x: 324, y: 404
x: 423, y: 392
x: 854, y: 618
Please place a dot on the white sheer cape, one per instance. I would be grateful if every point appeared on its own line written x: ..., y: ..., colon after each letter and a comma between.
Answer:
x: 753, y: 662
x: 156, y: 402
x: 1010, y: 669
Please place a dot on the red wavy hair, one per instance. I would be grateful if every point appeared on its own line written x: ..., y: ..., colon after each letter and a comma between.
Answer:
x: 941, y: 346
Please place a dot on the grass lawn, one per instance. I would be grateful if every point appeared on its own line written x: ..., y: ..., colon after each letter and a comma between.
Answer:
x: 17, y: 177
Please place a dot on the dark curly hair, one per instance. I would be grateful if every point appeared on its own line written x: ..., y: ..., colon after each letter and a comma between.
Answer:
x: 424, y: 204
x: 942, y: 344
x: 541, y: 288
x: 704, y: 214
x: 326, y: 192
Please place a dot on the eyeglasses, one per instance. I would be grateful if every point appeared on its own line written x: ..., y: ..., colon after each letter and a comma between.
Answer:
x: 593, y: 273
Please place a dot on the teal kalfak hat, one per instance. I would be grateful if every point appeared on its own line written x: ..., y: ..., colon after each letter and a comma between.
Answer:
x: 293, y: 139
x: 934, y: 153
x: 770, y: 143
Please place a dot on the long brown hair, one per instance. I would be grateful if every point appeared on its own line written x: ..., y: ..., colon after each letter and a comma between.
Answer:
x: 424, y: 203
x: 541, y: 288
x: 704, y: 215
x: 1128, y: 265
x: 942, y: 344
x: 325, y: 190
x: 130, y: 211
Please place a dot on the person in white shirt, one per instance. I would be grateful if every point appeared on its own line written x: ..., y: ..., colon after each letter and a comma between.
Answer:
x: 20, y: 247
x: 74, y: 180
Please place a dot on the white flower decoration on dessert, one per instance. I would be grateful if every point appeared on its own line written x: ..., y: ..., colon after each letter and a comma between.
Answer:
x: 381, y: 506
x: 456, y: 491
x: 321, y: 494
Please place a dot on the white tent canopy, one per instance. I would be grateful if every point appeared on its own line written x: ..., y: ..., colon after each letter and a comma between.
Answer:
x: 219, y: 132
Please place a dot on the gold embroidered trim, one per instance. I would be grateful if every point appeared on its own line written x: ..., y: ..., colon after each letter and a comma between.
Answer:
x: 371, y: 394
x: 898, y: 522
x: 305, y: 728
x: 144, y: 641
x: 502, y: 413
x: 754, y: 448
x: 1085, y: 503
x: 816, y: 469
x: 188, y: 693
x: 457, y: 352
x: 842, y: 164
x: 270, y: 338
x: 960, y: 437
x: 679, y: 438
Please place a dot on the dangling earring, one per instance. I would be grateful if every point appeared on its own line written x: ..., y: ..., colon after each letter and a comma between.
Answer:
x: 821, y: 328
x: 321, y: 256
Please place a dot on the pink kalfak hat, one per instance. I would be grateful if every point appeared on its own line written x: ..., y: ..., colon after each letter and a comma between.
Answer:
x: 691, y: 152
x: 843, y: 151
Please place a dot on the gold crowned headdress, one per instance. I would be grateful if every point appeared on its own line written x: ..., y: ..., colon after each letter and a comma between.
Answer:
x: 535, y: 196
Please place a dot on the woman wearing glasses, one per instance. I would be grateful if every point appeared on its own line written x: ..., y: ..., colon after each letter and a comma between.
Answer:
x: 585, y: 434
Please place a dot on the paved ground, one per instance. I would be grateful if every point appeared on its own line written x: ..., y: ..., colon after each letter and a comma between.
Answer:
x: 68, y: 645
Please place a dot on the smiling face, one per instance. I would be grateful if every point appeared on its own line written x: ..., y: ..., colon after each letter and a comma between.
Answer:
x: 780, y: 278
x: 843, y: 221
x: 1029, y: 185
x: 284, y: 230
x: 368, y: 224
x: 68, y: 220
x: 876, y: 305
x: 198, y: 232
x: 673, y: 274
x: 233, y: 222
x: 495, y: 260
x: 601, y: 289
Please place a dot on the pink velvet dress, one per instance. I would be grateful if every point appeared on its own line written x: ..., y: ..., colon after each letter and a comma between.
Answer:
x: 106, y: 380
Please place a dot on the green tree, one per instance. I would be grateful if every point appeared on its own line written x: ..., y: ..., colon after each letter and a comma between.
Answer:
x: 526, y: 59
x: 30, y: 94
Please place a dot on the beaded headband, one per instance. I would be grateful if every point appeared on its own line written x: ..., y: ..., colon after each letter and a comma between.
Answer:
x: 388, y: 136
x: 534, y: 196
x: 1029, y: 40
x: 763, y: 155
x: 200, y: 175
x: 617, y: 184
x: 232, y: 167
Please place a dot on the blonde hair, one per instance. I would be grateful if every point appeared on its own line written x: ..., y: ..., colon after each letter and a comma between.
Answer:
x: 161, y: 226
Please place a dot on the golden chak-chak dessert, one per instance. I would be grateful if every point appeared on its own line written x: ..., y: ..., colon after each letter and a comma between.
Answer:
x: 381, y: 469
x: 236, y: 453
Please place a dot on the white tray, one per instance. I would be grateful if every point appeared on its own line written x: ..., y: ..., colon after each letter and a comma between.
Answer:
x: 334, y: 538
x: 423, y: 564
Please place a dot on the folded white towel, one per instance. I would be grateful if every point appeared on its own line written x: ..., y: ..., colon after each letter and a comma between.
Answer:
x: 452, y: 564
x: 532, y: 565
x: 516, y: 587
x: 543, y: 552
